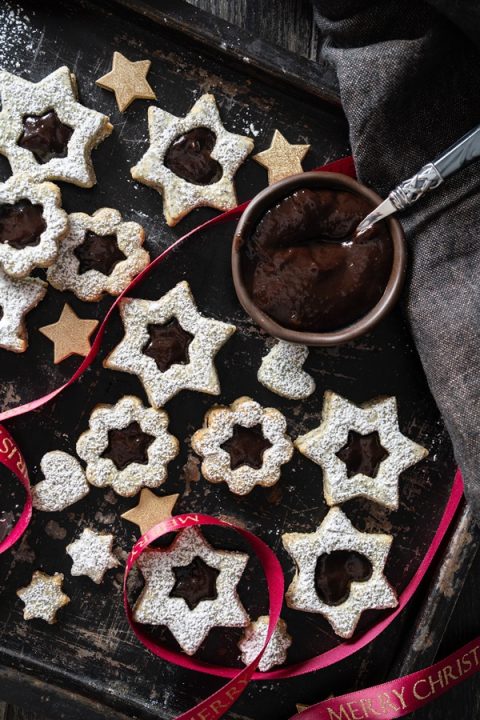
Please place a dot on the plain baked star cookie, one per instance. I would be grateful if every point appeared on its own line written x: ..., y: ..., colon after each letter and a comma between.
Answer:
x: 100, y: 254
x: 192, y: 160
x: 43, y: 597
x: 360, y: 449
x: 92, y: 555
x: 127, y: 446
x: 339, y: 572
x: 45, y: 132
x: 64, y: 484
x: 253, y: 640
x: 32, y: 224
x: 244, y: 445
x: 190, y: 587
x: 169, y: 345
x: 281, y: 371
x: 17, y: 298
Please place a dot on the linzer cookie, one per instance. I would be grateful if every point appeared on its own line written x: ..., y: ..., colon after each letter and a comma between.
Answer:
x: 101, y: 254
x: 254, y: 638
x: 92, y: 555
x: 32, y: 224
x: 191, y: 587
x: 192, y: 160
x: 339, y: 572
x: 127, y: 446
x: 17, y: 298
x: 360, y: 449
x: 281, y: 371
x: 45, y: 132
x: 64, y: 484
x: 169, y: 345
x: 43, y: 597
x: 244, y: 445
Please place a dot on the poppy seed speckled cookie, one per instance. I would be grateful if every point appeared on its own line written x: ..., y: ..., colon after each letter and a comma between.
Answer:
x: 17, y: 298
x: 43, y: 597
x: 253, y: 640
x: 282, y: 371
x: 64, y: 482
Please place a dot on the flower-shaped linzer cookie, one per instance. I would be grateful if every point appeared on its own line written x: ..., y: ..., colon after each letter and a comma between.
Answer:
x: 127, y: 446
x: 253, y: 640
x: 339, y: 572
x: 100, y: 254
x: 32, y: 224
x: 17, y: 298
x: 45, y: 132
x: 281, y: 371
x: 190, y: 587
x: 192, y: 160
x: 169, y: 345
x: 360, y: 449
x: 244, y: 445
x: 92, y: 555
x: 43, y: 597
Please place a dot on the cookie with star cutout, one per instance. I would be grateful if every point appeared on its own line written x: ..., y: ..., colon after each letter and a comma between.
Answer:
x: 17, y: 298
x: 100, y: 254
x: 192, y: 160
x: 45, y: 132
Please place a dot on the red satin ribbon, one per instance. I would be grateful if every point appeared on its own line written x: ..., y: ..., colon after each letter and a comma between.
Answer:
x: 12, y: 458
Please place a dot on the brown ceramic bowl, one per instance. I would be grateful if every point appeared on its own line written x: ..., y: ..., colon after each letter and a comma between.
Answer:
x: 270, y: 197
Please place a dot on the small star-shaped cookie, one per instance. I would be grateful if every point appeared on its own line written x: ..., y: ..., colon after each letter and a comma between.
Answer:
x: 151, y: 509
x: 253, y: 640
x: 167, y: 596
x: 282, y: 159
x: 45, y: 132
x: 43, y: 597
x: 101, y: 253
x: 70, y: 334
x: 324, y: 443
x: 128, y: 80
x: 92, y: 555
x: 17, y: 298
x: 219, y: 153
x: 150, y: 347
x: 64, y: 484
x: 336, y: 533
x: 281, y: 371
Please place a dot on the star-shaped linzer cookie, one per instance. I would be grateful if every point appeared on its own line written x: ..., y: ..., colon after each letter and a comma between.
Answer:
x: 190, y: 587
x: 281, y: 159
x: 337, y: 539
x: 169, y: 345
x: 128, y: 80
x: 192, y: 160
x: 151, y: 510
x: 17, y: 298
x: 92, y: 555
x: 70, y: 334
x: 43, y: 597
x: 369, y: 466
x: 45, y: 132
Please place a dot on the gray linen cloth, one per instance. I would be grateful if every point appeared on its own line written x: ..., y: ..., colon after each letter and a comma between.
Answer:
x: 409, y: 76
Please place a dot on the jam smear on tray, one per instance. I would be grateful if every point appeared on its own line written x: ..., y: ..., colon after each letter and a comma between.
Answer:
x: 168, y: 344
x: 195, y: 582
x: 128, y: 445
x: 189, y: 157
x: 98, y: 252
x: 335, y: 572
x: 21, y: 224
x: 246, y: 446
x: 45, y: 136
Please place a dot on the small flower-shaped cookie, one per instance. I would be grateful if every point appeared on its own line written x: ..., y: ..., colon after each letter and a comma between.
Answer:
x: 339, y: 572
x: 92, y: 555
x: 169, y: 345
x: 45, y: 132
x: 244, y: 445
x: 127, y: 446
x: 360, y: 449
x: 100, y: 254
x: 32, y: 224
x: 17, y: 298
x: 43, y: 597
x: 253, y: 640
x: 190, y: 587
x: 192, y: 160
x: 281, y: 371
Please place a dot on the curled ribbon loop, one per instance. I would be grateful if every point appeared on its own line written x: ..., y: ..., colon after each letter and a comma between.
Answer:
x: 12, y: 458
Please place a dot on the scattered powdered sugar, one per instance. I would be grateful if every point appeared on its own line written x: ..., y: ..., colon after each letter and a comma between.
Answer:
x: 16, y: 30
x: 281, y: 371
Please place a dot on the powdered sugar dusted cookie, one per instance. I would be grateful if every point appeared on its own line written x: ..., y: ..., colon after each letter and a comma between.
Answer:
x: 65, y: 482
x: 45, y: 132
x: 92, y: 555
x: 43, y: 597
x: 281, y: 371
x: 360, y: 449
x: 169, y: 345
x: 100, y: 254
x: 32, y: 223
x: 244, y: 445
x: 339, y: 572
x: 127, y: 446
x: 254, y: 638
x: 17, y: 298
x: 192, y: 160
x: 190, y: 587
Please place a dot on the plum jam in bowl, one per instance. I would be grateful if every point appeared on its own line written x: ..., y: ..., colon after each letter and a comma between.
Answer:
x: 300, y: 272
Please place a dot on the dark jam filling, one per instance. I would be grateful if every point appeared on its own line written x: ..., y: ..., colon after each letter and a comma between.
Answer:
x: 45, y: 136
x: 335, y: 572
x: 98, y: 252
x: 168, y: 344
x: 128, y: 445
x: 21, y: 224
x: 246, y: 447
x: 302, y: 268
x: 1, y: 312
x: 195, y: 582
x: 362, y: 454
x: 189, y: 157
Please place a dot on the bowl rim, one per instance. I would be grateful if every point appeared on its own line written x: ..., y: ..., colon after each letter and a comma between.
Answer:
x: 269, y: 197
